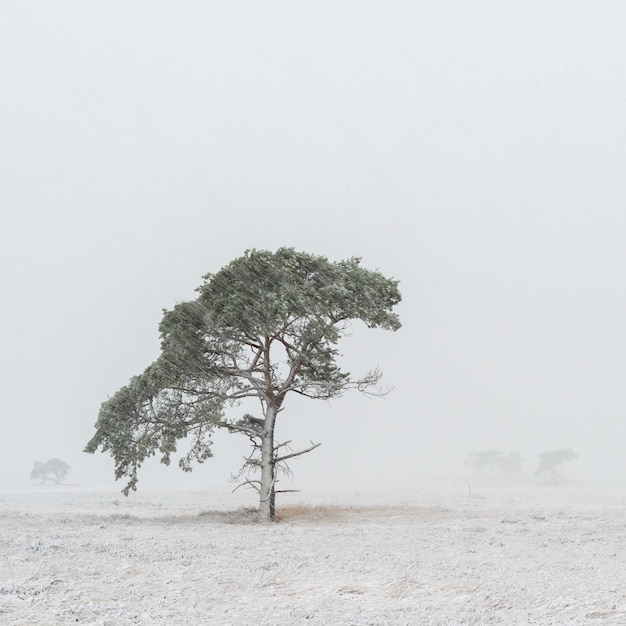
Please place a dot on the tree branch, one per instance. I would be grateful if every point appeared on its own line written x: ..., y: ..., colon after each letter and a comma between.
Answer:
x: 250, y: 483
x: 294, y: 454
x: 239, y: 428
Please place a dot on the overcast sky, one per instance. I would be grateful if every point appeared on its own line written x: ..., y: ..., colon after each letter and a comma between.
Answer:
x: 475, y: 151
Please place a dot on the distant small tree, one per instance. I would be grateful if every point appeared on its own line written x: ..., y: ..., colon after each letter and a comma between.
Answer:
x: 495, y: 461
x: 553, y: 460
x: 59, y: 470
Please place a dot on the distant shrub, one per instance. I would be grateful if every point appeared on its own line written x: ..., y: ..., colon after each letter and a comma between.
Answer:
x: 55, y: 467
x: 553, y: 460
x: 495, y: 462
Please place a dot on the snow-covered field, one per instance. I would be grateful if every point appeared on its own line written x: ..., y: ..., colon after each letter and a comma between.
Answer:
x: 441, y: 554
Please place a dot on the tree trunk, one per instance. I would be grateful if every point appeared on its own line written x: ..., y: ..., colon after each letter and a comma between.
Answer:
x: 267, y: 494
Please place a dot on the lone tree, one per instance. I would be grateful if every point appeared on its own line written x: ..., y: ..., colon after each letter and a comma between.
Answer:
x: 553, y: 460
x: 59, y: 469
x: 264, y: 326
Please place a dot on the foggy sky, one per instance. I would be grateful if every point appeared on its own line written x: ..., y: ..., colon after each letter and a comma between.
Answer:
x: 474, y: 151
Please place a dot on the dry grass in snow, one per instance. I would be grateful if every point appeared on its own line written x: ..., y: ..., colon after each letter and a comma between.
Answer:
x: 551, y: 555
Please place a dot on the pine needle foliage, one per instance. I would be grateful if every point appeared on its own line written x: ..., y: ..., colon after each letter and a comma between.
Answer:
x: 264, y: 326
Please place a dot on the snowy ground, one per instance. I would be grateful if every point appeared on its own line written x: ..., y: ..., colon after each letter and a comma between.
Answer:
x: 440, y: 555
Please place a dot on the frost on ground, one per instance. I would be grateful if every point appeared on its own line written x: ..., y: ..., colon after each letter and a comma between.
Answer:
x: 547, y: 555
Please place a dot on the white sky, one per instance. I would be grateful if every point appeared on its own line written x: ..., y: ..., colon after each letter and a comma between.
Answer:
x: 474, y: 151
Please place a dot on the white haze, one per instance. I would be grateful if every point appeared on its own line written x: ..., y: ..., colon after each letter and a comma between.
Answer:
x: 474, y: 151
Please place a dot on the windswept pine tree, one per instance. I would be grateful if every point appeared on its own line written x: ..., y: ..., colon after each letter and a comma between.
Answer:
x: 265, y: 326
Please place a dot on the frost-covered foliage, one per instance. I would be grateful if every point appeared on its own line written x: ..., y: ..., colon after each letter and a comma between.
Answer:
x: 552, y: 461
x: 264, y: 326
x: 495, y: 461
x: 55, y: 468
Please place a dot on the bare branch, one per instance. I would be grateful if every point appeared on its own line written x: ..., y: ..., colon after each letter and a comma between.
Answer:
x: 255, y: 360
x: 294, y: 454
x: 379, y: 392
x: 281, y: 445
x: 249, y: 483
